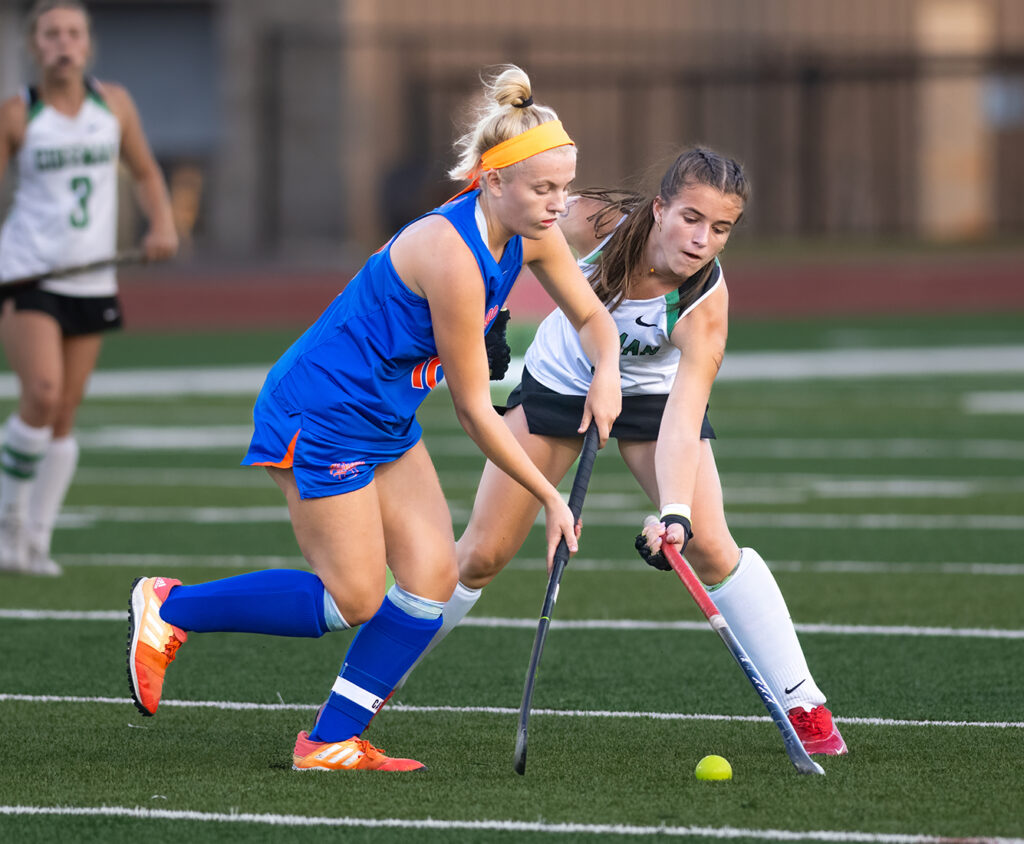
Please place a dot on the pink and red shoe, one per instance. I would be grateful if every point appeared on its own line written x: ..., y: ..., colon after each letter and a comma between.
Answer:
x: 817, y: 731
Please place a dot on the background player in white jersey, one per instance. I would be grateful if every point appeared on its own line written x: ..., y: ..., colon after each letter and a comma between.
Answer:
x: 654, y: 263
x: 65, y: 138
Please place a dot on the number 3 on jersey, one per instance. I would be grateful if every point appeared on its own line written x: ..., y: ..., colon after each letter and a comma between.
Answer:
x: 81, y: 187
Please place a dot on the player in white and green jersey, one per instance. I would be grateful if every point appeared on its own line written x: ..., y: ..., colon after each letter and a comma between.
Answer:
x: 654, y: 263
x: 64, y: 138
x: 65, y: 206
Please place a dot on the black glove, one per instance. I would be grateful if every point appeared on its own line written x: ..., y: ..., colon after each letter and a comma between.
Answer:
x: 658, y: 560
x: 499, y: 353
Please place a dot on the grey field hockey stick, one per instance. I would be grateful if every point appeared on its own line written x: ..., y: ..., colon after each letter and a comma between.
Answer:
x: 579, y: 491
x: 794, y: 748
x: 130, y: 256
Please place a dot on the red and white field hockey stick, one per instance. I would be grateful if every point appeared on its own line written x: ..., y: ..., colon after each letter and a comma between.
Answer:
x: 795, y: 750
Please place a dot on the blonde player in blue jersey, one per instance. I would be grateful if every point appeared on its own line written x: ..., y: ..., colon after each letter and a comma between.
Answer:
x: 65, y: 137
x: 335, y: 425
x: 654, y: 262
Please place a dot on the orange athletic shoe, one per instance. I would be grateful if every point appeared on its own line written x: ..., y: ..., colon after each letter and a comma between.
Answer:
x: 355, y: 754
x: 152, y: 642
x: 816, y: 730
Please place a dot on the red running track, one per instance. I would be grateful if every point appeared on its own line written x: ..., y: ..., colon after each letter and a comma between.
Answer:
x: 181, y: 297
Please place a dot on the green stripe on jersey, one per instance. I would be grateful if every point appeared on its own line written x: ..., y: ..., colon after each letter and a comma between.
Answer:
x: 96, y: 98
x: 671, y: 311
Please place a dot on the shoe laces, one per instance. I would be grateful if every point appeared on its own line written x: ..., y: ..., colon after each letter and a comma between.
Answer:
x: 814, y: 721
x: 368, y: 749
x: 171, y: 648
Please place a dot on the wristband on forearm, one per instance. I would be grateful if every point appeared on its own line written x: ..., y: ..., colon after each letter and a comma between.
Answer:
x: 678, y: 514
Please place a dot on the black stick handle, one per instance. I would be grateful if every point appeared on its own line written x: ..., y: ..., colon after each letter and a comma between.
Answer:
x: 131, y: 256
x: 576, y: 496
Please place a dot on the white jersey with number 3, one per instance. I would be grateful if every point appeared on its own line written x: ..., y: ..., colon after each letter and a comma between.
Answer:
x: 65, y: 206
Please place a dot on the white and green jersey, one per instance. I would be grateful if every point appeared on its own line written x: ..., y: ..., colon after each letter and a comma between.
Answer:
x: 65, y: 206
x: 648, y: 361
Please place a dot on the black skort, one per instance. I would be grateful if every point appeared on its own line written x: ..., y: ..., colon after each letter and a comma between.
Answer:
x: 76, y: 315
x: 552, y: 414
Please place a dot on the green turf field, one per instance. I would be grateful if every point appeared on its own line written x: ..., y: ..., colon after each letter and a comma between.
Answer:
x: 891, y: 508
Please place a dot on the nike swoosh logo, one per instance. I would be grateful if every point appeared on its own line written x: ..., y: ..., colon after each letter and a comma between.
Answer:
x: 797, y: 686
x: 639, y: 321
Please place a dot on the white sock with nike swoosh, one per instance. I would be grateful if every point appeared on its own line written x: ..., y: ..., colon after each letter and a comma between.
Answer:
x: 753, y: 606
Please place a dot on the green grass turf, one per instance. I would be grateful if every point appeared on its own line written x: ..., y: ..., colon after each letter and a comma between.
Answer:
x: 940, y: 780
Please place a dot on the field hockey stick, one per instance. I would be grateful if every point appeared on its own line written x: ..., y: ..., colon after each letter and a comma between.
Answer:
x: 794, y: 748
x: 579, y: 490
x: 130, y: 256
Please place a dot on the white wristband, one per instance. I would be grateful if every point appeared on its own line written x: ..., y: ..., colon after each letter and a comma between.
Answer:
x: 676, y: 510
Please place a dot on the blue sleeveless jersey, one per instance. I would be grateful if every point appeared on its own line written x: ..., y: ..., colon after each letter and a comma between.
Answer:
x: 359, y: 373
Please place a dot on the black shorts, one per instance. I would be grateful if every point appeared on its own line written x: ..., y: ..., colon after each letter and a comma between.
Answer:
x: 552, y: 414
x: 76, y: 315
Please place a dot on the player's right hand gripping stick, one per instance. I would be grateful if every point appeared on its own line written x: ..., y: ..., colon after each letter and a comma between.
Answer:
x: 671, y: 514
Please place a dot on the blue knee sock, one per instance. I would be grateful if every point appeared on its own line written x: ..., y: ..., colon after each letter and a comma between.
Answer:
x: 281, y: 602
x: 384, y: 649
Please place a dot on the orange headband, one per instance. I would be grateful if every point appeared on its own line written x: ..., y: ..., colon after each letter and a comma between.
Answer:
x: 520, y: 147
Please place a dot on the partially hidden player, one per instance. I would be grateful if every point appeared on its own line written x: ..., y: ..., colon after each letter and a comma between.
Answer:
x: 336, y: 428
x: 654, y: 263
x: 65, y: 137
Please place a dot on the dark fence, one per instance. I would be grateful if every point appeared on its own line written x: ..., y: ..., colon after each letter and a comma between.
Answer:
x: 832, y: 141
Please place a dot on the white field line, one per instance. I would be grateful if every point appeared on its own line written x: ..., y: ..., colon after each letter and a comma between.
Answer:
x: 155, y: 562
x: 738, y: 366
x: 184, y: 381
x: 786, y: 448
x: 206, y: 437
x: 538, y: 827
x: 167, y: 438
x: 871, y: 363
x: 581, y: 563
x: 843, y: 448
x: 252, y: 706
x: 768, y: 487
x: 241, y: 561
x: 873, y: 521
x: 804, y: 628
x: 994, y: 401
x: 625, y: 624
x: 84, y: 516
x: 242, y: 477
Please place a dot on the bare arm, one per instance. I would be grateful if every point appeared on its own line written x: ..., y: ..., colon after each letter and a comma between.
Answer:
x: 700, y: 337
x: 552, y: 262
x: 161, y: 241
x: 434, y: 262
x: 13, y: 115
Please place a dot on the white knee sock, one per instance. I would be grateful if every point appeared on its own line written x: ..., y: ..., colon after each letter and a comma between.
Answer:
x: 53, y: 477
x: 753, y: 606
x: 23, y: 448
x: 456, y: 608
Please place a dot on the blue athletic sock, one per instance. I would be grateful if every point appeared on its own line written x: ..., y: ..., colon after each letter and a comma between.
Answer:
x: 280, y: 602
x: 384, y: 649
